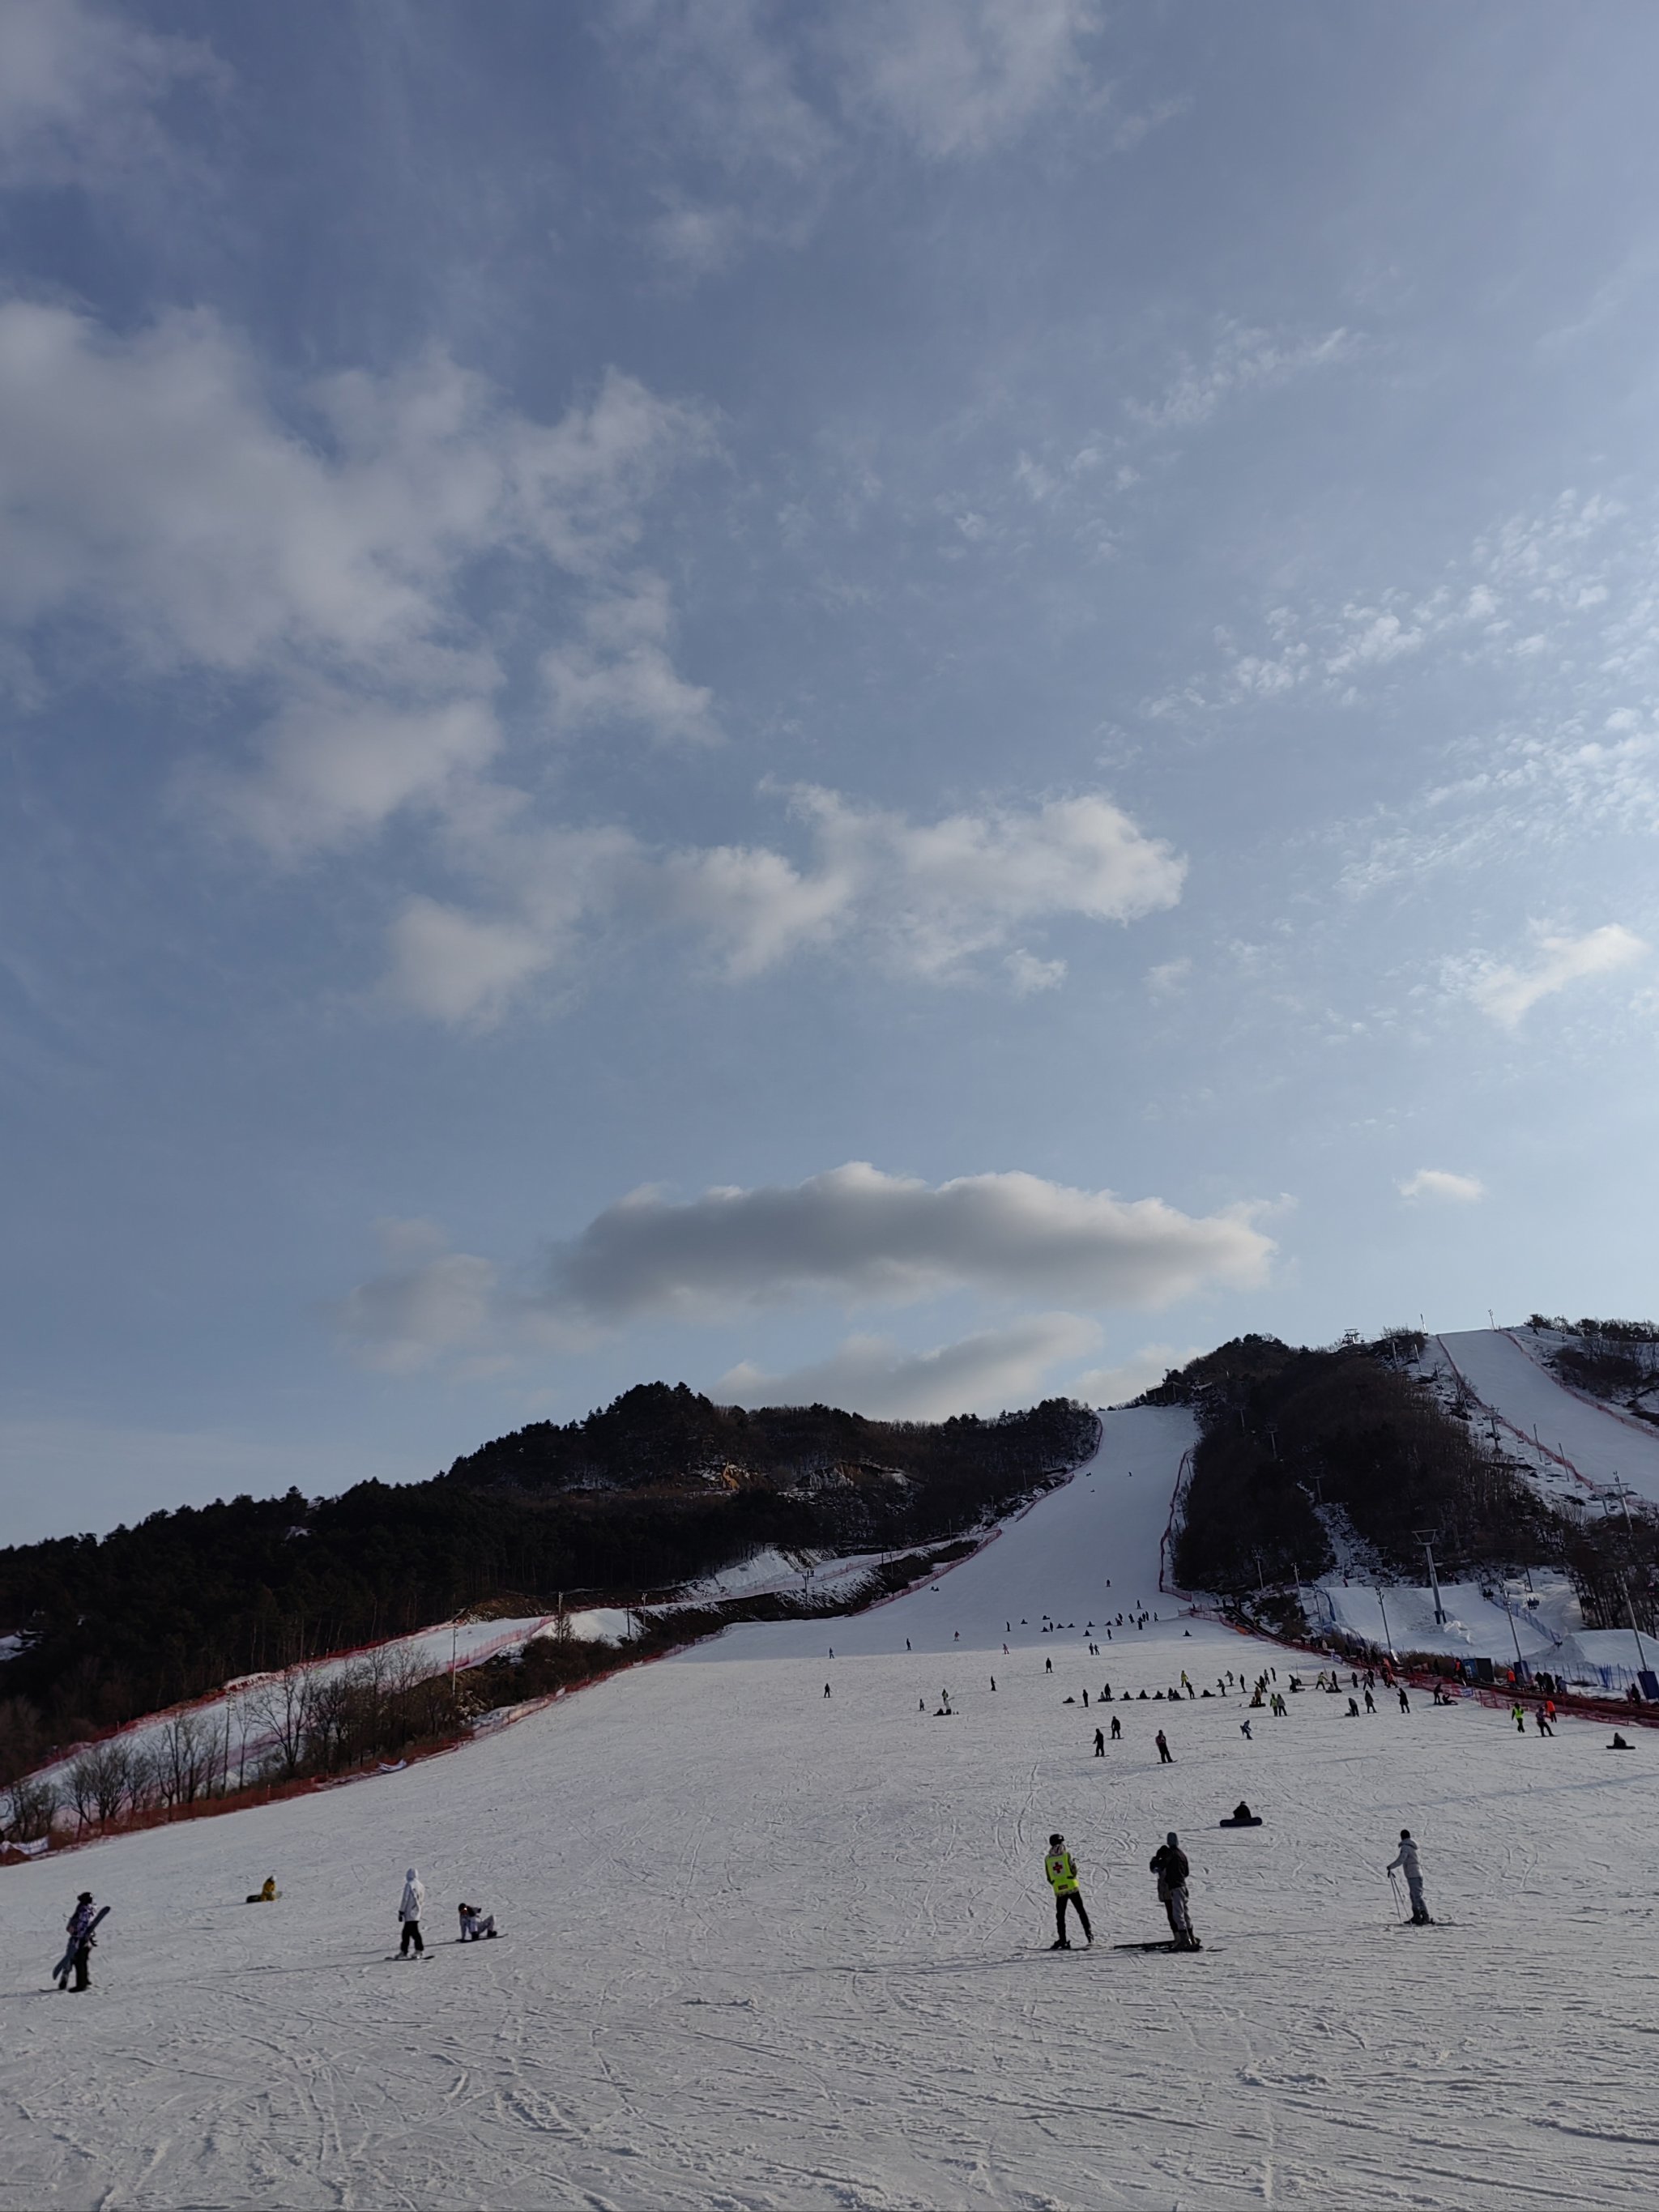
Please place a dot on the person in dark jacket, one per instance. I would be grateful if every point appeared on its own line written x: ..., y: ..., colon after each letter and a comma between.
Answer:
x: 78, y: 1955
x: 1169, y: 1863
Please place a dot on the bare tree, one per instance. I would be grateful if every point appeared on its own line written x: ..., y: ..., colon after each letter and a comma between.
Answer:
x: 29, y: 1802
x: 280, y: 1706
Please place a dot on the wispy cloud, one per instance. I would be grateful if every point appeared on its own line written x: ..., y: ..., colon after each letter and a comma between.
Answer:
x: 1442, y: 1183
x: 81, y: 91
x: 927, y: 901
x: 1243, y: 359
x: 1141, y: 1370
x: 984, y: 1373
x: 1508, y: 993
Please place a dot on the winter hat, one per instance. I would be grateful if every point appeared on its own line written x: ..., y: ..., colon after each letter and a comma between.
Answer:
x: 1173, y: 1840
x: 1405, y: 1835
x: 1054, y: 1842
x: 85, y: 1897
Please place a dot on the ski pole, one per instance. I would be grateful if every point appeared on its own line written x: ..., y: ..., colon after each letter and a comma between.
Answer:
x: 1394, y: 1886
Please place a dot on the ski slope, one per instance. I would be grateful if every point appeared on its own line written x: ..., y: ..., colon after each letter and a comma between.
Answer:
x: 1600, y: 1444
x: 768, y: 1949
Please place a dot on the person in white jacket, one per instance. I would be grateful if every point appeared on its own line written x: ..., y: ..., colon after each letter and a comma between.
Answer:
x: 1405, y: 1859
x: 409, y: 1913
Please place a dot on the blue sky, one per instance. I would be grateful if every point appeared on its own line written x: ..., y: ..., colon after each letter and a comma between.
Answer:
x: 916, y: 705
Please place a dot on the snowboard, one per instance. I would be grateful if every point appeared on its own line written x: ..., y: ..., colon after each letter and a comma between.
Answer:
x: 403, y: 1958
x: 1168, y: 1943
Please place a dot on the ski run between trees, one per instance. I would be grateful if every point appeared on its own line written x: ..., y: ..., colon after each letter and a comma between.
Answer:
x: 770, y: 1949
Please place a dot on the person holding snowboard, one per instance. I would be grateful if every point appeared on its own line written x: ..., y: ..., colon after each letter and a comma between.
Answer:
x: 1169, y: 1862
x: 1061, y: 1870
x: 78, y: 1955
x: 409, y: 1911
x: 1405, y: 1859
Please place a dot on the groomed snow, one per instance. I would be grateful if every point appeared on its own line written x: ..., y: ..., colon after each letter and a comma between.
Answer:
x: 1506, y: 1373
x: 769, y: 1950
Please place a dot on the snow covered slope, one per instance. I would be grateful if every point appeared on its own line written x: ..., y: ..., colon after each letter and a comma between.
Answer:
x: 1600, y: 1443
x: 768, y: 1949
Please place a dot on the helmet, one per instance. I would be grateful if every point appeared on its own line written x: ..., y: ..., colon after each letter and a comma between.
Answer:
x: 1054, y: 1842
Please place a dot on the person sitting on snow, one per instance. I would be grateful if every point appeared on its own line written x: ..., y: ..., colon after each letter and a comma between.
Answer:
x: 476, y: 1924
x: 268, y: 1895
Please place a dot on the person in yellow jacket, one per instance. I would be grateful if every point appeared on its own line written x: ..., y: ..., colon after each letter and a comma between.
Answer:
x: 1061, y: 1870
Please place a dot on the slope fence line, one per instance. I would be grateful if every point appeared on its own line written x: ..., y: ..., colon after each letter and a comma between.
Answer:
x: 1537, y: 1444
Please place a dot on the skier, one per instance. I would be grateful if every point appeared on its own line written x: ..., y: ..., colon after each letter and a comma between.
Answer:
x: 1061, y: 1870
x: 1406, y: 1859
x: 1117, y: 1729
x: 477, y: 1924
x: 1165, y: 1756
x: 1169, y: 1863
x: 78, y: 1928
x: 409, y: 1911
x: 1100, y: 1743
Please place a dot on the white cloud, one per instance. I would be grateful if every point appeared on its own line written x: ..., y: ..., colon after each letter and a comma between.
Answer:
x: 148, y: 486
x: 1506, y: 993
x: 984, y: 1373
x: 456, y: 967
x: 427, y: 1304
x: 856, y: 1234
x: 960, y: 76
x: 619, y: 670
x: 923, y: 899
x: 1115, y: 1386
x: 1441, y: 1183
x: 335, y: 768
x: 78, y: 89
x: 1170, y: 977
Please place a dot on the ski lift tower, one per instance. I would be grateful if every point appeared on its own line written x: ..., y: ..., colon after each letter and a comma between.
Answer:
x: 1427, y: 1537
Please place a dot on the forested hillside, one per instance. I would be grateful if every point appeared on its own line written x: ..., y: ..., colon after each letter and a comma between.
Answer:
x: 1297, y: 1445
x: 660, y: 1488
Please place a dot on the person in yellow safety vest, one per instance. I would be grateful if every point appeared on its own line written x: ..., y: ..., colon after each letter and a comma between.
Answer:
x: 1061, y: 1870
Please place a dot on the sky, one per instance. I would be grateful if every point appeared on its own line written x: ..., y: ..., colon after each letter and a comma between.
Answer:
x: 913, y: 706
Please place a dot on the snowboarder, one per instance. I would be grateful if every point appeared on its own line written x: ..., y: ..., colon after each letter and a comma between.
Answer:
x: 1404, y: 1702
x: 1169, y: 1863
x: 1406, y: 1859
x: 1165, y: 1756
x: 1370, y: 1703
x: 1117, y: 1729
x: 1544, y: 1727
x: 1245, y: 1730
x: 78, y: 1955
x: 409, y: 1911
x: 267, y: 1894
x: 1517, y: 1714
x: 477, y: 1924
x: 1100, y: 1743
x: 1061, y: 1870
x: 826, y: 1689
x: 1047, y: 1666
